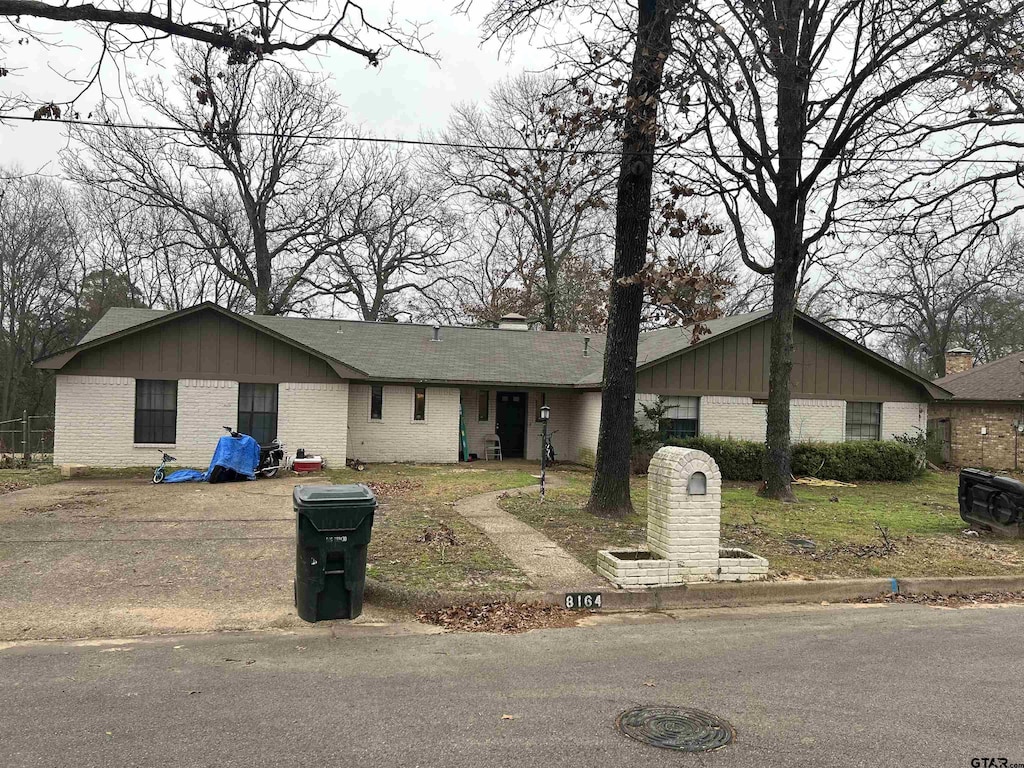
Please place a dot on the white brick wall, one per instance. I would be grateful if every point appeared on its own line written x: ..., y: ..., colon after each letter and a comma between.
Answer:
x: 562, y: 425
x: 95, y: 421
x: 903, y: 418
x: 585, y: 426
x: 823, y: 420
x: 735, y: 417
x: 314, y: 417
x: 397, y: 437
x: 477, y: 430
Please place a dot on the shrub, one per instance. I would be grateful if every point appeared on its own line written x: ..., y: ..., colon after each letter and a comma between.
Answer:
x: 865, y: 461
x: 737, y: 459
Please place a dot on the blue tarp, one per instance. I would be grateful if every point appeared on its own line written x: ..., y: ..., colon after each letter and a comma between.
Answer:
x: 240, y: 454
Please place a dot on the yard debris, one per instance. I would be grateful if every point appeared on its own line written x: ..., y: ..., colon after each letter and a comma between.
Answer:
x: 11, y: 487
x: 947, y: 601
x: 394, y: 487
x: 440, y: 538
x: 503, y: 617
x: 823, y: 483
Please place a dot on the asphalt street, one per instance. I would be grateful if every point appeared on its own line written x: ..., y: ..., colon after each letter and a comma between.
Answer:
x: 895, y: 685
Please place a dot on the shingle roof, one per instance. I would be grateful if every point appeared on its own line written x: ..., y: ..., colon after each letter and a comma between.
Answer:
x: 406, y: 352
x: 1002, y: 379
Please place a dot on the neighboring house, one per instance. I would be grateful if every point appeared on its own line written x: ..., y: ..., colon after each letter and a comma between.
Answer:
x: 982, y: 425
x: 143, y: 380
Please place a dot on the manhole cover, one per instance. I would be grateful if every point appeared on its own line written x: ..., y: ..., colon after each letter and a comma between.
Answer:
x: 687, y: 730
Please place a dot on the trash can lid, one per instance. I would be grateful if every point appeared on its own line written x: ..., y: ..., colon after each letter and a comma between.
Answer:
x: 353, y: 494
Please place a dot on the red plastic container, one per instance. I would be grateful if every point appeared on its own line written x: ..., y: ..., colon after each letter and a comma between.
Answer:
x: 308, y: 464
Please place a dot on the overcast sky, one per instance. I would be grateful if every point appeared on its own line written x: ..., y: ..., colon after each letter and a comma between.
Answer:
x: 407, y: 95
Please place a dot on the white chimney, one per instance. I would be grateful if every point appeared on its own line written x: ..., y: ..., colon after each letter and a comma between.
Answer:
x: 513, y: 322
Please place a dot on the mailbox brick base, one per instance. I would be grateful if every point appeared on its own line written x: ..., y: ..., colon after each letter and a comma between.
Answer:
x: 684, y: 502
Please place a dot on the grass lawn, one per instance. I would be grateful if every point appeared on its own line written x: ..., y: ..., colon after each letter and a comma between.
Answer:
x: 921, y: 520
x: 420, y: 541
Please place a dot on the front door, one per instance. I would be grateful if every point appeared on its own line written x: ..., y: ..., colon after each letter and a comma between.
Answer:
x: 510, y: 423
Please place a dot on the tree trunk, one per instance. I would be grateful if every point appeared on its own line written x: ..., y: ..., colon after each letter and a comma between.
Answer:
x: 264, y: 278
x: 777, y: 460
x: 788, y: 226
x: 609, y: 494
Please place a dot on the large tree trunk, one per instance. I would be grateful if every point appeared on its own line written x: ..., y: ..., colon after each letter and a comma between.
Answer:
x: 788, y: 225
x: 777, y: 460
x: 609, y: 494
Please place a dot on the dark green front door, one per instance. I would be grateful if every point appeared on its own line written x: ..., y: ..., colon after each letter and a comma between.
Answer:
x: 510, y: 423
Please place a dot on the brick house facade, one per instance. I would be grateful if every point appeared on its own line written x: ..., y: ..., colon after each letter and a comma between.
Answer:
x: 385, y: 392
x: 983, y: 424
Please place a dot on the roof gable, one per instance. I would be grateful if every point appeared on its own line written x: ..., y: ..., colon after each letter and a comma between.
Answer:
x: 205, y: 341
x: 734, y: 360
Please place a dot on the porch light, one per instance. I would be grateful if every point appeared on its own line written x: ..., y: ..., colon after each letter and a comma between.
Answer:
x: 545, y: 412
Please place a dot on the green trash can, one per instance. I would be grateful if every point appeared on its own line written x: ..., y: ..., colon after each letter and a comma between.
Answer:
x: 332, y: 532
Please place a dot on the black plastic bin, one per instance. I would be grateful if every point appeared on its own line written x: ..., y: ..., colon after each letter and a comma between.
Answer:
x: 332, y: 531
x: 992, y: 502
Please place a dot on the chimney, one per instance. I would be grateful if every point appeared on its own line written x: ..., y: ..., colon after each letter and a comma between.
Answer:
x: 958, y: 360
x: 586, y: 346
x: 513, y: 322
x: 437, y: 333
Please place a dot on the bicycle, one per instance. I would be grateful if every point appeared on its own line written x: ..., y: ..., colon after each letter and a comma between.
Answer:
x: 159, y: 473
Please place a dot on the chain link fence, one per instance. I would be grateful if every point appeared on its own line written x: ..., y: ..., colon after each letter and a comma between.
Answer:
x: 26, y: 440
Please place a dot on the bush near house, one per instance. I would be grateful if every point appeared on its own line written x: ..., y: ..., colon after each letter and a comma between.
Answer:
x: 865, y: 461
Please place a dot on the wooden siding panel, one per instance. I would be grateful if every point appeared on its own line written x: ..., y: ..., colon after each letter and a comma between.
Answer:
x: 738, y: 364
x: 202, y: 346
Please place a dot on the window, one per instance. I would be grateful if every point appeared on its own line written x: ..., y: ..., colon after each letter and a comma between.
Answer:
x: 863, y: 421
x: 257, y: 411
x: 376, y: 402
x: 682, y: 417
x: 542, y: 400
x: 483, y: 409
x: 419, y: 404
x: 156, y: 411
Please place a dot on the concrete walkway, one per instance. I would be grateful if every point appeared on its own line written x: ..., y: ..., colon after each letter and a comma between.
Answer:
x: 547, y: 565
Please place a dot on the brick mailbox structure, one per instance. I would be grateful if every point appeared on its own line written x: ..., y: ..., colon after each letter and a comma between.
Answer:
x: 684, y: 511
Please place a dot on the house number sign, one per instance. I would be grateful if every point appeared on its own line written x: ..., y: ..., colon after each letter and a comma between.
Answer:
x: 582, y: 601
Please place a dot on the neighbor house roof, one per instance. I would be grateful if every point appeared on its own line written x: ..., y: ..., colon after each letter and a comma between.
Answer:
x: 1002, y: 379
x: 407, y: 352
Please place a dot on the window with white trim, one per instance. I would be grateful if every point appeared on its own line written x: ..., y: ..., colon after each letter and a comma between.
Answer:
x: 682, y: 417
x: 863, y: 421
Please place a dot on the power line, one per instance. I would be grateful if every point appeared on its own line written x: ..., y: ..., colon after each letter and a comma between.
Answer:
x: 467, y: 145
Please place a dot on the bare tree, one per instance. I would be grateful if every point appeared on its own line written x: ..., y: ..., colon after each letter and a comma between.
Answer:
x: 920, y: 294
x: 393, y: 239
x: 800, y: 118
x: 251, y: 174
x: 558, y: 185
x: 39, y: 272
x: 151, y: 250
x: 245, y: 31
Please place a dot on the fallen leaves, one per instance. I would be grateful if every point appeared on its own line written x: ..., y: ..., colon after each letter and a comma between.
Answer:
x: 394, y: 487
x: 948, y: 601
x: 11, y: 487
x: 502, y: 617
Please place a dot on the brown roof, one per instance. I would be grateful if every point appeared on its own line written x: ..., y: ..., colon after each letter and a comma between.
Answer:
x: 1002, y: 379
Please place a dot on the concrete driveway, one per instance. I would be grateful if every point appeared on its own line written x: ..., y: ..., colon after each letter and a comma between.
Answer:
x: 124, y: 557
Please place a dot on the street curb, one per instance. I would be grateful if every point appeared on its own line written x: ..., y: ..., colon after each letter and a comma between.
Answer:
x: 725, y: 595
x: 707, y: 595
x: 392, y: 596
